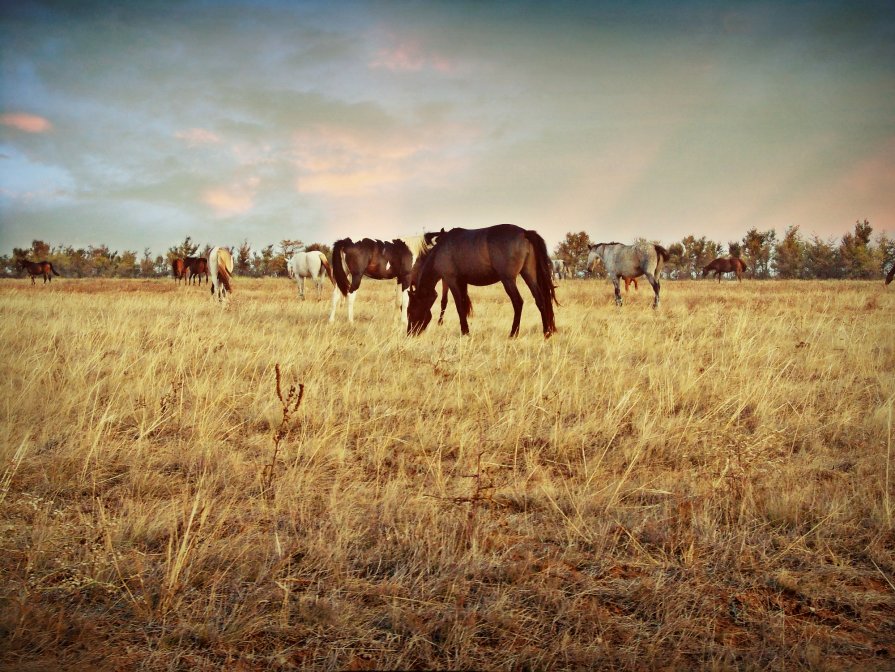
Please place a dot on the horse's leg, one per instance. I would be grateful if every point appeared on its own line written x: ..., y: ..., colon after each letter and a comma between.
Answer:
x: 337, y: 296
x: 405, y: 301
x: 444, y: 300
x: 654, y: 281
x: 618, y: 291
x: 352, y: 294
x: 459, y: 292
x: 301, y: 287
x: 718, y: 275
x: 541, y: 298
x: 512, y: 291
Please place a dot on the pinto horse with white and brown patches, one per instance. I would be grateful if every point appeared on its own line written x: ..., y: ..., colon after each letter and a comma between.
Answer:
x: 463, y: 257
x: 35, y: 268
x: 377, y: 259
x: 725, y: 265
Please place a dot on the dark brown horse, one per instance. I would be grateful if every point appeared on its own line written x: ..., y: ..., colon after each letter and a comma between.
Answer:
x: 890, y: 274
x: 725, y: 265
x: 197, y: 267
x: 35, y: 268
x: 377, y: 259
x: 463, y: 257
x: 178, y: 268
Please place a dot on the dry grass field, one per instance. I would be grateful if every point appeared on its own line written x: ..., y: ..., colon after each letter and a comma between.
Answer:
x: 707, y: 486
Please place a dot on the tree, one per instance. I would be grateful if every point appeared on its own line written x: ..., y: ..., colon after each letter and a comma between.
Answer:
x: 147, y: 267
x: 323, y: 247
x: 735, y: 249
x: 757, y: 248
x: 127, y: 264
x: 697, y: 253
x: 573, y: 251
x: 39, y: 250
x: 262, y: 264
x: 822, y: 259
x: 676, y: 267
x: 243, y: 259
x: 856, y: 255
x: 789, y: 255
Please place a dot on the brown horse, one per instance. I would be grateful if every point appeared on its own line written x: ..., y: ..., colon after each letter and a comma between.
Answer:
x: 890, y: 274
x: 35, y: 268
x: 725, y: 265
x: 197, y: 267
x: 463, y: 257
x: 178, y: 268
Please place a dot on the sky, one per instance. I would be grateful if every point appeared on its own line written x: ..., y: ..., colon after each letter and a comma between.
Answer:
x: 135, y: 124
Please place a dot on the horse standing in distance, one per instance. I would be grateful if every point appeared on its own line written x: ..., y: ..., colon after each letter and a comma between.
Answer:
x: 463, y: 257
x: 220, y: 268
x: 178, y: 268
x: 725, y: 265
x: 630, y: 261
x: 377, y: 259
x: 197, y: 267
x: 890, y: 274
x: 560, y: 271
x: 309, y: 265
x: 35, y: 268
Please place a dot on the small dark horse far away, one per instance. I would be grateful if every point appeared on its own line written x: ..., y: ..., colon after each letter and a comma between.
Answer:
x: 463, y: 257
x: 196, y: 267
x: 36, y: 268
x: 725, y: 265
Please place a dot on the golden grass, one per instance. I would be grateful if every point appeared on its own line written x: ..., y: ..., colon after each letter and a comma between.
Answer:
x: 706, y: 486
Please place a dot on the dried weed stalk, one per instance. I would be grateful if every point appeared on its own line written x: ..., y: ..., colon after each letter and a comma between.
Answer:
x: 290, y: 404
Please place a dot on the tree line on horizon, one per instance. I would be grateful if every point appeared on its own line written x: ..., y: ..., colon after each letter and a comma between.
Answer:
x: 858, y: 255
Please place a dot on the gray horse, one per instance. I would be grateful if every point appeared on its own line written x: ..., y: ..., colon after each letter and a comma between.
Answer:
x: 630, y: 261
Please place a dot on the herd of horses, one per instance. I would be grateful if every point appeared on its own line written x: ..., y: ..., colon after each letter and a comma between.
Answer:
x: 456, y: 259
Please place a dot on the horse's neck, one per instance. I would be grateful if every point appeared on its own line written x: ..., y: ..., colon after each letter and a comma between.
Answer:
x: 428, y: 275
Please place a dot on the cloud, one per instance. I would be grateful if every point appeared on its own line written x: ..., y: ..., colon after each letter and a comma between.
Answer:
x: 409, y: 55
x: 28, y: 123
x: 194, y: 137
x: 233, y: 199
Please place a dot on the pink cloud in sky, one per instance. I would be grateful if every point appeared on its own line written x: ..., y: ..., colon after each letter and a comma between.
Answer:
x: 341, y: 162
x: 408, y: 55
x: 233, y: 199
x: 194, y: 137
x: 29, y: 123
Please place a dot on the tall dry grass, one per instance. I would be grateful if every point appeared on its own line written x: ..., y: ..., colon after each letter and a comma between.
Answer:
x: 706, y: 486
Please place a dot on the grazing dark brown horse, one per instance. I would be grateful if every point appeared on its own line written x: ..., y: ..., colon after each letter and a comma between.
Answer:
x: 463, y: 257
x: 725, y: 265
x: 377, y: 259
x: 890, y: 274
x: 35, y: 268
x: 197, y: 267
x: 178, y: 268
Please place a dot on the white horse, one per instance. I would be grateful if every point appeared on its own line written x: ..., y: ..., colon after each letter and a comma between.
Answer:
x: 220, y: 268
x: 309, y: 265
x: 560, y: 272
x: 629, y: 261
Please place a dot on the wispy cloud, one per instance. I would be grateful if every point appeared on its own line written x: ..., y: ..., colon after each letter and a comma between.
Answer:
x: 194, y: 137
x: 27, y: 123
x: 409, y: 55
x: 233, y: 199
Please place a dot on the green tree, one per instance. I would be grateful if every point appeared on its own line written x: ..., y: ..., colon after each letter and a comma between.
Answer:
x: 757, y: 250
x: 856, y: 254
x: 243, y: 260
x: 573, y: 250
x: 147, y: 266
x: 676, y: 266
x: 789, y: 255
x: 822, y: 259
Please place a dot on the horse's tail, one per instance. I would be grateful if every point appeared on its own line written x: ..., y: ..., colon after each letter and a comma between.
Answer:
x: 338, y: 268
x: 544, y: 276
x: 50, y: 264
x: 329, y: 269
x: 661, y: 257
